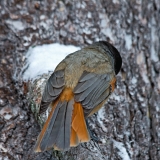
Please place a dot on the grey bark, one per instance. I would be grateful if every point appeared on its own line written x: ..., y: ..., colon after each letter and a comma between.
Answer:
x: 130, y: 121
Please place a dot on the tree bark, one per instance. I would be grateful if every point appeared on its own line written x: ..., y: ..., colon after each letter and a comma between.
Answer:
x: 129, y: 123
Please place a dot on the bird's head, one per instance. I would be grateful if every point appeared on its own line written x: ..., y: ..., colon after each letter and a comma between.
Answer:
x: 110, y: 49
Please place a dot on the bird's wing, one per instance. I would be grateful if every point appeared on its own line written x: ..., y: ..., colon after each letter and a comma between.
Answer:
x: 93, y: 89
x: 53, y: 88
x: 65, y: 125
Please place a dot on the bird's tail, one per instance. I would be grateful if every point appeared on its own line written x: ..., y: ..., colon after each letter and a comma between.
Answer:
x: 65, y: 126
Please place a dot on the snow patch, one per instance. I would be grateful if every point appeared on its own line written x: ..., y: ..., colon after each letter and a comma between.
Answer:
x: 101, y: 117
x: 108, y: 32
x: 154, y: 39
x: 7, y: 116
x: 116, y: 1
x: 128, y: 41
x: 115, y: 97
x: 41, y: 59
x: 142, y: 65
x: 16, y: 24
x: 134, y: 80
x: 2, y: 148
x: 122, y: 151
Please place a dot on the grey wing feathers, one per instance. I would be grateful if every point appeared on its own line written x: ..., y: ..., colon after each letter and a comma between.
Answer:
x: 59, y: 127
x: 53, y: 88
x: 92, y: 89
x: 63, y: 138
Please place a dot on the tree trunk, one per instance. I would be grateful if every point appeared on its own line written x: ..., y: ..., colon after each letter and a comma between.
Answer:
x: 129, y: 123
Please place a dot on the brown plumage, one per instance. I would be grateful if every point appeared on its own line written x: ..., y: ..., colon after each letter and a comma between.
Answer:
x: 78, y: 88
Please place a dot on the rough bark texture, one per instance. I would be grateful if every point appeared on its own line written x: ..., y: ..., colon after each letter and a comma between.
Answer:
x: 129, y: 124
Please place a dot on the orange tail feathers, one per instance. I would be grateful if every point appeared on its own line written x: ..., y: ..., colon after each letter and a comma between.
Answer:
x: 65, y: 126
x: 37, y: 147
x: 79, y: 129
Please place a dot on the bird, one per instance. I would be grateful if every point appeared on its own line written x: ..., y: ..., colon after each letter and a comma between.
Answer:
x: 79, y: 86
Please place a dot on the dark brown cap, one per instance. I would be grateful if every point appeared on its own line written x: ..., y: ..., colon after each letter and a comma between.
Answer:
x: 115, y: 54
